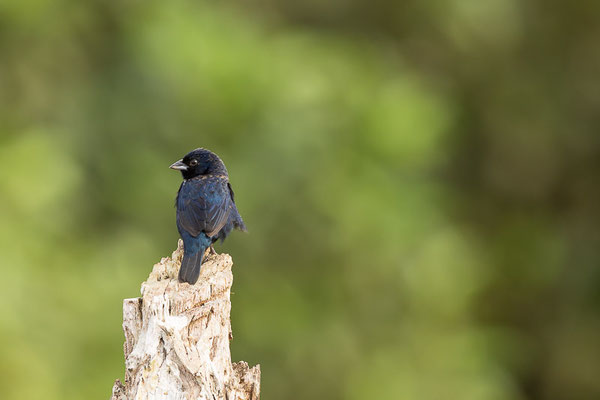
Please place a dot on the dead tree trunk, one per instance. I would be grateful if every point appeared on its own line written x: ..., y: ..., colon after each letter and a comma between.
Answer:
x: 177, y: 338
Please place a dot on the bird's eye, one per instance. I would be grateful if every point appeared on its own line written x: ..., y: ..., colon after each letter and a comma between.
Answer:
x: 194, y: 162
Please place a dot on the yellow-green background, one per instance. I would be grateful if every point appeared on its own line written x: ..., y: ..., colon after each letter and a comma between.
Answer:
x: 420, y: 181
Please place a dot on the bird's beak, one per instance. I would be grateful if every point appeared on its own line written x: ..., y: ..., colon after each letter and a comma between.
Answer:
x: 179, y: 165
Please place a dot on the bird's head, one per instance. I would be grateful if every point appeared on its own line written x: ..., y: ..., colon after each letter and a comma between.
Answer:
x: 199, y: 162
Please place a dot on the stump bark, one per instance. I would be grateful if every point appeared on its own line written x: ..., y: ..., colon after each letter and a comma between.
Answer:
x: 177, y: 337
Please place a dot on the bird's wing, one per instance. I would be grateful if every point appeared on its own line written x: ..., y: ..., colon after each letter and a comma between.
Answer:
x: 237, y: 220
x: 203, y: 206
x: 231, y: 191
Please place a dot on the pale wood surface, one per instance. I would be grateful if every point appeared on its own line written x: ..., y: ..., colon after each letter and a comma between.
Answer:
x: 177, y: 337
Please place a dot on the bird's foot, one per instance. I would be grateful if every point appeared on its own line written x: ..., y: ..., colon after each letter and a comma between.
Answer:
x: 210, y: 251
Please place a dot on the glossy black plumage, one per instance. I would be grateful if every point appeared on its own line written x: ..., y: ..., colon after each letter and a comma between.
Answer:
x: 206, y: 211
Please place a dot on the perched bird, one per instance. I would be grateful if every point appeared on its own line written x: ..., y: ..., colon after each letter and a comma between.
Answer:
x: 206, y: 211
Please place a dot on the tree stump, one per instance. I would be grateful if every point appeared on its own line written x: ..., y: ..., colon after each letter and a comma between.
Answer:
x: 177, y: 337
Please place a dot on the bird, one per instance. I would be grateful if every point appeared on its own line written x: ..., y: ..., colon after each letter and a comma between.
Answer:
x: 206, y: 210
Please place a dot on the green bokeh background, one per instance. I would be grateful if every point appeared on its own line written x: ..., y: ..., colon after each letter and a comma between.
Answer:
x: 419, y: 180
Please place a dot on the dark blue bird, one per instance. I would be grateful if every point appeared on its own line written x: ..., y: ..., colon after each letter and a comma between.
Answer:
x: 206, y: 211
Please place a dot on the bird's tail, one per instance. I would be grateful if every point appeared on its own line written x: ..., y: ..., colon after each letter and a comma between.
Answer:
x: 190, y: 266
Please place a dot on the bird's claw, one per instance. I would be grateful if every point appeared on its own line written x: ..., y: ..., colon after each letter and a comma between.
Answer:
x: 210, y: 251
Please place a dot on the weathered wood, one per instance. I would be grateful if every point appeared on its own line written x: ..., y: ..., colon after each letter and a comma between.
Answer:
x: 177, y: 337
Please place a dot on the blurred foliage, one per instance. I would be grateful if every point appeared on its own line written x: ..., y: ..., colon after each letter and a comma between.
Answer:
x: 419, y: 178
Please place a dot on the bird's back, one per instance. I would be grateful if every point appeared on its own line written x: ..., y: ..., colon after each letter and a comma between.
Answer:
x: 205, y: 205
